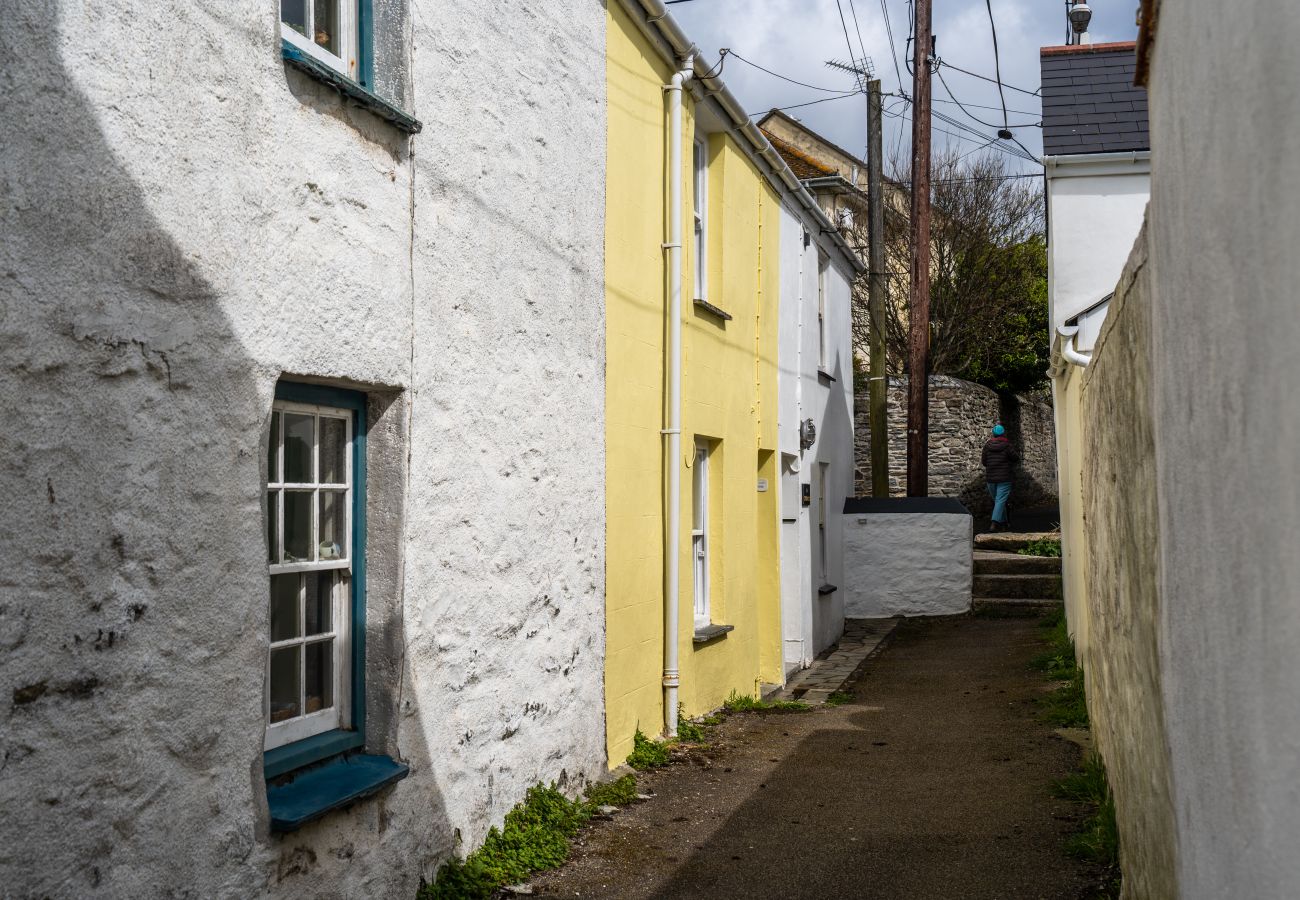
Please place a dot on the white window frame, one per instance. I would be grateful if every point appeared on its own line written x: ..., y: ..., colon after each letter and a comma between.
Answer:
x: 700, y: 551
x: 338, y: 715
x: 823, y: 265
x: 700, y: 169
x: 346, y: 61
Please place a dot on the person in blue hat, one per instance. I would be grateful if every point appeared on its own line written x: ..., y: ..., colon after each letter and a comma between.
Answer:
x: 999, y: 459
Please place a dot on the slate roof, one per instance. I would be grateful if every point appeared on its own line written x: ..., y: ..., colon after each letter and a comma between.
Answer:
x: 1090, y: 104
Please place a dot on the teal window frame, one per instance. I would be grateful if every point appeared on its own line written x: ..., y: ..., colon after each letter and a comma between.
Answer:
x: 362, y: 90
x: 282, y: 760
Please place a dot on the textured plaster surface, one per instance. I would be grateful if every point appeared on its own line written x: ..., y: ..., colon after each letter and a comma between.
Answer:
x: 1120, y: 658
x: 185, y: 223
x: 811, y: 622
x: 907, y: 564
x: 1227, y: 425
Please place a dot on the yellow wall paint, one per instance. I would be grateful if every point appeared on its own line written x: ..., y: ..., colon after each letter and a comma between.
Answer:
x: 728, y: 396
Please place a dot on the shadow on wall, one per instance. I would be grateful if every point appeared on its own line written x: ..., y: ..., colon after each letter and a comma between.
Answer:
x: 134, y: 623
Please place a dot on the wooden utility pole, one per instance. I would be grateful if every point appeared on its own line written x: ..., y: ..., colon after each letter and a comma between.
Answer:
x: 879, y: 387
x: 918, y: 344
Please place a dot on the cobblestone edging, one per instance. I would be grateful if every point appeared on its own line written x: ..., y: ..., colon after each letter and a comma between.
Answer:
x: 829, y: 673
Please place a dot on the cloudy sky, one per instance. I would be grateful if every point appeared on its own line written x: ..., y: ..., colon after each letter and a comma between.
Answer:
x: 795, y: 37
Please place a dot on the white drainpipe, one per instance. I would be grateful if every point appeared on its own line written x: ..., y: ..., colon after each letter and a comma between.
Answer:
x: 1067, y: 346
x: 673, y: 428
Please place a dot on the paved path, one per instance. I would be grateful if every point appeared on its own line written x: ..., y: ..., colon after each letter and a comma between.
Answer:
x: 825, y: 676
x: 932, y: 783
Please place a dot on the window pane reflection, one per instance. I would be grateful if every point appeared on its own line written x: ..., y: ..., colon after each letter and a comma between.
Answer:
x: 272, y: 526
x: 333, y: 451
x: 297, y: 526
x: 326, y: 24
x: 284, y: 607
x: 320, y: 601
x: 320, y: 676
x: 272, y: 450
x: 333, y: 527
x: 284, y: 683
x: 294, y: 14
x: 298, y: 442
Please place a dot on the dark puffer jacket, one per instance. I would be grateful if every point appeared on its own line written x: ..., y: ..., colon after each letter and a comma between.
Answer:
x: 999, y: 459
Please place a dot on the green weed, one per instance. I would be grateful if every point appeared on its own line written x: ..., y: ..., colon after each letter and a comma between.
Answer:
x: 535, y: 837
x: 690, y: 732
x: 647, y: 754
x: 744, y: 703
x: 839, y: 698
x: 1066, y: 707
x: 1042, y: 547
x: 1098, y: 838
x: 619, y: 792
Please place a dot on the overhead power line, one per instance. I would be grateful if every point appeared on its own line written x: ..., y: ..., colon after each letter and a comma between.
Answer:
x: 809, y: 103
x: 997, y: 64
x: 812, y: 87
x: 944, y: 62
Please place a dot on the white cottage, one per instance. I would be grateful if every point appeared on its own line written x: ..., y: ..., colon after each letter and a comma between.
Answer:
x: 815, y: 430
x: 303, y: 484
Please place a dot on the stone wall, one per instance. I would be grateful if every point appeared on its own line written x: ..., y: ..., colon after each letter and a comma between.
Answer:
x: 1121, y: 658
x: 961, y: 414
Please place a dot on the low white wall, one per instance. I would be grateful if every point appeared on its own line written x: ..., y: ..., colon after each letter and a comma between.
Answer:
x: 906, y: 563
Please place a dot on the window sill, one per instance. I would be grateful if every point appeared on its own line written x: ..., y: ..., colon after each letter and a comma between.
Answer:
x: 826, y: 377
x: 331, y: 786
x: 708, y: 633
x: 827, y: 589
x: 299, y: 754
x: 347, y: 87
x: 713, y: 310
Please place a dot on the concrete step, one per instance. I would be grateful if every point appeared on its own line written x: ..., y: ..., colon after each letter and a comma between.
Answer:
x: 991, y: 562
x: 1013, y: 607
x: 1032, y: 587
x: 1010, y: 540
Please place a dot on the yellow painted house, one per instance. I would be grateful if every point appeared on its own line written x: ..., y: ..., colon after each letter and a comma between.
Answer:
x: 725, y: 594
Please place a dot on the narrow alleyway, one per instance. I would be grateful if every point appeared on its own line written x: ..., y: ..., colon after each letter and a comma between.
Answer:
x: 932, y: 783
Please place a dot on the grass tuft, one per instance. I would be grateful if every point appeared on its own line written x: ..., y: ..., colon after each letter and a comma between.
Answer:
x: 839, y: 698
x: 1098, y: 838
x: 737, y: 702
x: 647, y: 754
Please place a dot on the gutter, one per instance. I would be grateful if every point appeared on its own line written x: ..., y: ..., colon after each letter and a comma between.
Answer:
x: 673, y: 45
x: 1067, y: 333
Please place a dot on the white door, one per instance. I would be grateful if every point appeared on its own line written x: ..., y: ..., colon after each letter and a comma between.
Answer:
x: 700, y: 533
x: 792, y: 611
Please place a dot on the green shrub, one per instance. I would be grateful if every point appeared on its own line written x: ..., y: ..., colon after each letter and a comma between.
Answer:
x: 1042, y: 547
x: 647, y: 754
x: 620, y: 792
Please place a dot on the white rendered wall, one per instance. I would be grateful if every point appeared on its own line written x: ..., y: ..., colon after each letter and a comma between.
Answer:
x: 1094, y: 212
x: 1225, y: 212
x: 907, y: 564
x: 812, y: 621
x: 186, y: 221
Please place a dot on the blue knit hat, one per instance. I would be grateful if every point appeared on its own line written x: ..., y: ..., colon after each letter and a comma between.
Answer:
x: 998, y: 430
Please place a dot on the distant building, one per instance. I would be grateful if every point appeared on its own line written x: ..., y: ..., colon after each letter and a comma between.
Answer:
x: 763, y: 294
